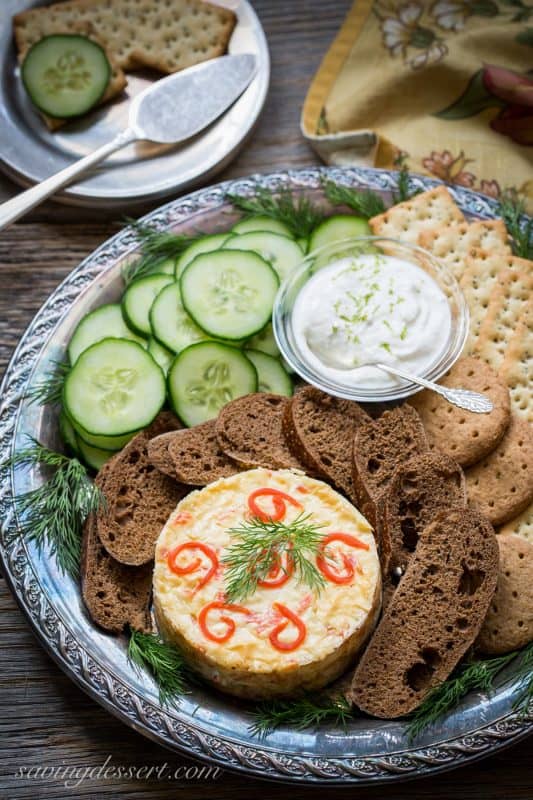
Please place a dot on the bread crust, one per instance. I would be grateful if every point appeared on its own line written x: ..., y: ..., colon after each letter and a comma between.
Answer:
x: 250, y: 431
x: 115, y: 595
x: 319, y: 430
x: 434, y: 617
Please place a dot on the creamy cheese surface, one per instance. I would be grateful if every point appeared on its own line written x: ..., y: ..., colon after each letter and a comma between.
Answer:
x: 338, y: 617
x: 370, y: 308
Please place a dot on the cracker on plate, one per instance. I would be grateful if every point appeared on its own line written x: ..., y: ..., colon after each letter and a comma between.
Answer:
x: 501, y: 485
x: 510, y: 298
x: 517, y: 366
x: 453, y: 243
x: 460, y: 434
x: 407, y: 220
x: 27, y: 36
x: 509, y: 622
x: 522, y: 525
x: 167, y: 36
x: 482, y: 268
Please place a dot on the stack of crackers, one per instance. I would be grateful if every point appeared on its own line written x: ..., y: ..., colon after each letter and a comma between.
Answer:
x: 166, y: 36
x: 498, y: 287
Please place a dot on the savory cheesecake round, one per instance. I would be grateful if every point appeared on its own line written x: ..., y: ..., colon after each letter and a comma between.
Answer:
x: 268, y: 582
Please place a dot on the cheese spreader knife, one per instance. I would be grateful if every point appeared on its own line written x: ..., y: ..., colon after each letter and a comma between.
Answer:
x: 170, y: 111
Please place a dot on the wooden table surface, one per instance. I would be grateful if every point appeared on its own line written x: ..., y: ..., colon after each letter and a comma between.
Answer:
x: 46, y: 721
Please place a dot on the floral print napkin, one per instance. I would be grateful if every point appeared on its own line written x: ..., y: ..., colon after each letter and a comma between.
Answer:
x: 445, y: 86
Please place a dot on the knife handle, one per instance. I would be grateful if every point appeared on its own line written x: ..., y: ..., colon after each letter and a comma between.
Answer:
x: 13, y: 209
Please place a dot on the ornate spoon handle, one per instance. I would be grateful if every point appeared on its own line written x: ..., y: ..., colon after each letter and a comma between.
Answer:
x: 463, y: 398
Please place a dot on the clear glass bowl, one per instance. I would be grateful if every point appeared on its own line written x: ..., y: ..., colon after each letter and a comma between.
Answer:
x: 446, y: 353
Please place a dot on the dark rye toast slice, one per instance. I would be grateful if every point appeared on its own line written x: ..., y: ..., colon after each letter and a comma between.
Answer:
x: 115, y: 595
x: 379, y: 446
x: 319, y: 430
x: 434, y: 617
x: 197, y: 457
x: 249, y: 430
x: 159, y: 456
x: 165, y: 422
x: 419, y: 490
x: 139, y: 500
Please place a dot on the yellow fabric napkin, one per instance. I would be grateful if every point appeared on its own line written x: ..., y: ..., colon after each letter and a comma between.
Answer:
x: 447, y: 85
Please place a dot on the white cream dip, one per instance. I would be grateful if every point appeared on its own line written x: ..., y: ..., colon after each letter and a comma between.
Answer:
x: 370, y: 307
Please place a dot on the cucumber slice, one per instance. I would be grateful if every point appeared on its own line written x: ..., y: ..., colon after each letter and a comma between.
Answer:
x: 102, y: 323
x: 170, y: 323
x: 65, y: 75
x: 109, y: 443
x: 340, y: 226
x: 165, y: 267
x: 229, y: 294
x: 281, y: 252
x: 335, y: 229
x: 160, y: 354
x: 206, y: 376
x: 271, y: 377
x: 138, y: 298
x: 114, y: 388
x: 204, y: 245
x: 67, y: 433
x: 260, y: 223
x: 93, y: 456
x: 264, y: 341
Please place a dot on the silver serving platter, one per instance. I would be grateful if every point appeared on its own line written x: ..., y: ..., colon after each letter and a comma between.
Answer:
x: 142, y: 172
x: 206, y: 724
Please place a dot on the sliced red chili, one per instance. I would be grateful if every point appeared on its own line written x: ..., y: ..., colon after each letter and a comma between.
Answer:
x: 279, y: 501
x: 194, y: 565
x: 182, y: 518
x: 228, y: 621
x: 290, y: 617
x: 328, y: 570
x: 279, y: 573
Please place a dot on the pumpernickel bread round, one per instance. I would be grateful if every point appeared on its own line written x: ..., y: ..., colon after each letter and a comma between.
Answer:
x: 319, y: 429
x: 249, y: 431
x: 138, y: 498
x: 433, y: 618
x: 114, y: 594
x: 197, y: 457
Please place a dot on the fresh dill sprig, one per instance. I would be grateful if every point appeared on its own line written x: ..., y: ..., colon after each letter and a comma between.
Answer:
x: 512, y: 211
x: 298, y: 212
x: 50, y: 388
x: 403, y: 187
x: 524, y: 696
x: 467, y: 677
x: 304, y: 712
x: 55, y: 512
x: 363, y: 201
x: 156, y: 246
x: 165, y: 662
x: 259, y: 546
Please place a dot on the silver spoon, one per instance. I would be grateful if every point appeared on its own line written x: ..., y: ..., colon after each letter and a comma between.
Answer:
x: 169, y: 111
x: 463, y: 398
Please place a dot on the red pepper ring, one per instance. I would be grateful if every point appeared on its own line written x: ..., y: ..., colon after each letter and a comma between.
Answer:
x: 328, y: 570
x: 202, y: 620
x: 196, y: 563
x: 290, y: 616
x: 278, y: 574
x: 279, y: 501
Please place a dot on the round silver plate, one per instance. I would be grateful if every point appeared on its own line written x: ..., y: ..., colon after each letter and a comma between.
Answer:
x: 29, y: 152
x: 207, y: 724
